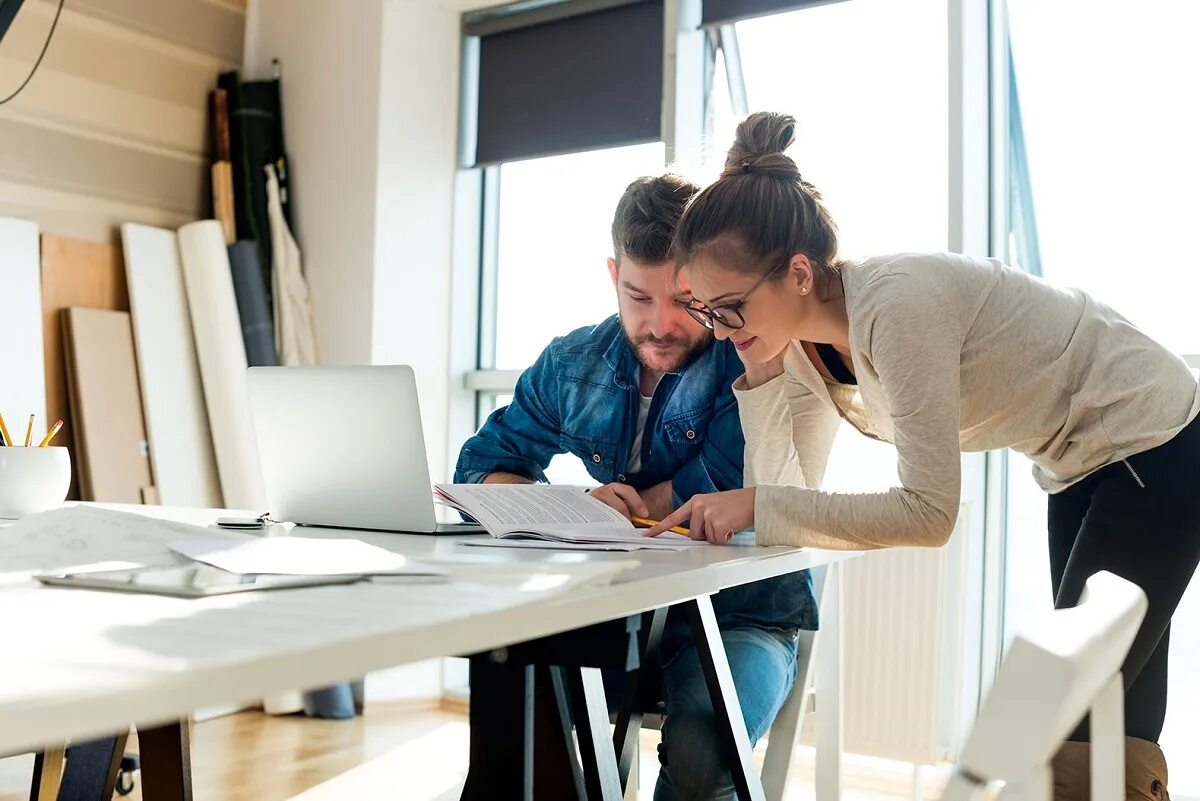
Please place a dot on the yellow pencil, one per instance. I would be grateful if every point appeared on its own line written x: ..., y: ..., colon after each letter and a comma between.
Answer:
x: 29, y: 432
x: 646, y: 522
x: 50, y: 434
x: 4, y: 430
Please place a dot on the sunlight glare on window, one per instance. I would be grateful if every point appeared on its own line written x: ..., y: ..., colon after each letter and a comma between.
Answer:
x: 555, y: 236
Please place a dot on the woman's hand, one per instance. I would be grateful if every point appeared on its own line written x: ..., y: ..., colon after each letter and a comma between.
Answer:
x: 713, y: 517
x: 759, y: 373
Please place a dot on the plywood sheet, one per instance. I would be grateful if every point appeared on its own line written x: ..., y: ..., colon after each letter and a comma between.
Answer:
x: 114, y: 459
x: 74, y: 273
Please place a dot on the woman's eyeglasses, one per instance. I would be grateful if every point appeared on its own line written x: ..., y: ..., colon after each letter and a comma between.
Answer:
x: 727, y: 314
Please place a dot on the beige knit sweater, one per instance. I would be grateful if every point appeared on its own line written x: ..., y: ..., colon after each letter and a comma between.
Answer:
x: 954, y: 354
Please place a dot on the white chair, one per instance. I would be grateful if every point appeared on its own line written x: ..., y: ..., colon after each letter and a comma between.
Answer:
x: 781, y: 740
x: 1060, y: 668
x: 1067, y: 664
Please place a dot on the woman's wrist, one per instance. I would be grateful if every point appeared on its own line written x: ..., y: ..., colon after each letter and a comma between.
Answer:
x: 759, y: 374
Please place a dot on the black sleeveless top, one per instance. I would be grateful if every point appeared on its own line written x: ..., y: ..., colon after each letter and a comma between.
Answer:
x: 834, y: 364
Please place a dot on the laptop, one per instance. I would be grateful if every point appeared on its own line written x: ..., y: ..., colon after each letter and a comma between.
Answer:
x: 343, y: 447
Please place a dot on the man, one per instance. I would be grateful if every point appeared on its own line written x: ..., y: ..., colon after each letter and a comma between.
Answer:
x: 644, y: 400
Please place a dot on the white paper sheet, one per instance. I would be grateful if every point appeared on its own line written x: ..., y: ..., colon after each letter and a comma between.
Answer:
x: 23, y: 386
x: 181, y: 449
x: 222, y: 357
x: 85, y: 536
x: 301, y: 556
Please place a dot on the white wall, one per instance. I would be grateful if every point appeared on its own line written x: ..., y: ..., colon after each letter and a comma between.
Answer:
x: 418, y: 124
x: 370, y: 92
x: 329, y: 57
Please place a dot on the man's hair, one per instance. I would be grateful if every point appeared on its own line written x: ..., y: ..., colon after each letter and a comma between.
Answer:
x: 644, y: 225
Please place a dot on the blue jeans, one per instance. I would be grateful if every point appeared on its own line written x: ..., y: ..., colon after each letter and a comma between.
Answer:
x: 763, y: 664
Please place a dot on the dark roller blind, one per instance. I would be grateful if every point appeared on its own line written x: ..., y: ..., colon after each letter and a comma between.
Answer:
x: 8, y: 10
x: 723, y: 12
x: 579, y: 83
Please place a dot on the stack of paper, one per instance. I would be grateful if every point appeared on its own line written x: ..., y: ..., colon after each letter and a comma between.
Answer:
x: 301, y: 556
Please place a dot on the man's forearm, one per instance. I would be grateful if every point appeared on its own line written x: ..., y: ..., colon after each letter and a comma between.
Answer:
x: 658, y: 500
x: 507, y: 478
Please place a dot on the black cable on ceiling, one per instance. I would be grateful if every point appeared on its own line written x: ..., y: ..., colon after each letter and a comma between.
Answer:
x: 38, y: 63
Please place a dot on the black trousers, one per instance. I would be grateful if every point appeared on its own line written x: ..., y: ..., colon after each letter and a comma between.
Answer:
x: 1139, y: 519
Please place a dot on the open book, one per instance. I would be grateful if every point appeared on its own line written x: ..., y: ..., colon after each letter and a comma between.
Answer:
x: 552, y: 513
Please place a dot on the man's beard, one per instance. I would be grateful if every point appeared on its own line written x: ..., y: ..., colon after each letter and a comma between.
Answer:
x: 682, y: 363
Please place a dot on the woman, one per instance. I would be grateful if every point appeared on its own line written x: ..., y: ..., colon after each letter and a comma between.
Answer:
x: 940, y: 353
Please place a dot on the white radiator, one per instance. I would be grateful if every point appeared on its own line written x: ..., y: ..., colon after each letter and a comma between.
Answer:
x: 898, y: 623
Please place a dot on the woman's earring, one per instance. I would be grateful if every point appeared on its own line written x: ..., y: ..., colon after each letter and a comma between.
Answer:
x: 803, y: 290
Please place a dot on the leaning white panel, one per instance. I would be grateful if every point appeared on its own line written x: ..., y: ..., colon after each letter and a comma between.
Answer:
x: 181, y: 447
x: 22, y: 368
x: 218, y: 333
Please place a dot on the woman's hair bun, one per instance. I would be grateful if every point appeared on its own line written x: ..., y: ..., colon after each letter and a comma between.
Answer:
x: 759, y: 144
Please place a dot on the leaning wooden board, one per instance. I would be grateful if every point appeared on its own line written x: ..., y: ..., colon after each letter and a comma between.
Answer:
x: 106, y: 401
x: 80, y: 274
x: 181, y: 445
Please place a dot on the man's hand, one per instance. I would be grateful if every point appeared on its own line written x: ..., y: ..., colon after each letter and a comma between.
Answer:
x: 505, y: 478
x: 622, y: 497
x: 713, y: 517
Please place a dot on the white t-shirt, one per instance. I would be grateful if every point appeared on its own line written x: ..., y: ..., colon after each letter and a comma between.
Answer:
x: 635, y: 453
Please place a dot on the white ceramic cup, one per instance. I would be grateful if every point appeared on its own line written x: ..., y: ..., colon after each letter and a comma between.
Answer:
x: 33, y: 480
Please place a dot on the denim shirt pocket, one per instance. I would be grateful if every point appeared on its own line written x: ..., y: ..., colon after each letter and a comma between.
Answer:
x: 599, y: 455
x: 685, y: 433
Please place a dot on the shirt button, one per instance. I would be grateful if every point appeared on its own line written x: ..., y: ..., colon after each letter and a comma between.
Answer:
x: 691, y: 434
x: 596, y: 458
x: 621, y: 479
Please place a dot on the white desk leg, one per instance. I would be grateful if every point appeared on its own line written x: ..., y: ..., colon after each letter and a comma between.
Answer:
x: 1108, y: 742
x: 827, y: 718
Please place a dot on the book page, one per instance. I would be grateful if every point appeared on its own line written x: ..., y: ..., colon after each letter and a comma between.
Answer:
x: 504, y: 507
x: 604, y: 534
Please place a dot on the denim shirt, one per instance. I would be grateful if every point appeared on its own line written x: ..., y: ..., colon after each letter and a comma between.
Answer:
x: 582, y: 397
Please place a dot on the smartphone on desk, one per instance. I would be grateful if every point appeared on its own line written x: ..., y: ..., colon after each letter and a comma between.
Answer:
x: 185, y: 581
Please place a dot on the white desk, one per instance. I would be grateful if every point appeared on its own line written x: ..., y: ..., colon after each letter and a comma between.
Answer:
x: 81, y: 664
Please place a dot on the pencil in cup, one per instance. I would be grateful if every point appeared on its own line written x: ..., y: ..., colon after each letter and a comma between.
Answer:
x: 647, y: 522
x: 29, y: 431
x: 8, y: 440
x: 51, y: 434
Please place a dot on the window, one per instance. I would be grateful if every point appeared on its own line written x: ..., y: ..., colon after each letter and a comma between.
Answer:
x: 866, y: 81
x: 1112, y: 163
x: 554, y: 231
x: 549, y: 275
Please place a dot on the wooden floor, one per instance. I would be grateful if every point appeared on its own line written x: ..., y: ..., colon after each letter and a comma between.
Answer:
x: 395, y: 751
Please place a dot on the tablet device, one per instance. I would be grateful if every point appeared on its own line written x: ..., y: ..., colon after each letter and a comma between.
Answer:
x: 185, y: 581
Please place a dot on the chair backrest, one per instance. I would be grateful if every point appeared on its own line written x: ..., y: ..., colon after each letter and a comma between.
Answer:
x: 1050, y: 678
